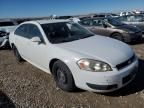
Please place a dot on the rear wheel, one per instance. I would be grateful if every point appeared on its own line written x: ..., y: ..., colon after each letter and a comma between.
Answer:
x: 17, y: 55
x: 63, y: 76
x: 118, y: 36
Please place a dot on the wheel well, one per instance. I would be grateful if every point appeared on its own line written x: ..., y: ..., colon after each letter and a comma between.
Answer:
x: 51, y: 64
x: 114, y: 33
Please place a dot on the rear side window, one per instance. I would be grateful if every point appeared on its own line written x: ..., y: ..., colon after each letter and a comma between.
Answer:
x: 97, y: 23
x: 22, y: 30
x: 86, y: 22
x: 6, y: 23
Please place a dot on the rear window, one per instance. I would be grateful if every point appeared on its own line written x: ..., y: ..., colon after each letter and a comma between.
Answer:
x: 6, y: 24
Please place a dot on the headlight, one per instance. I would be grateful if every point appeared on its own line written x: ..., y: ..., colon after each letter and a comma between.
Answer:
x: 93, y: 65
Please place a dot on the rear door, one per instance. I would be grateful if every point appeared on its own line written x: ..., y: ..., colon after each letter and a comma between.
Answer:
x: 93, y: 25
x: 22, y: 40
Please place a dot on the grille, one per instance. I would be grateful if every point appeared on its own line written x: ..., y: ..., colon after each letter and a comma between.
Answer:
x: 126, y: 63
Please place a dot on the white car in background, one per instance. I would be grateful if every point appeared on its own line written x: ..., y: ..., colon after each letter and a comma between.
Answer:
x: 74, y: 56
x: 126, y: 13
x: 3, y: 39
x: 6, y: 26
x: 74, y: 19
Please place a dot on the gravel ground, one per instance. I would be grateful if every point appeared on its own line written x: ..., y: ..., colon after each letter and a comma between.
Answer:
x: 25, y: 86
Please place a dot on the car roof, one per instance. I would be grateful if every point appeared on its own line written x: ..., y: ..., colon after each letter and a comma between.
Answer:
x: 48, y: 21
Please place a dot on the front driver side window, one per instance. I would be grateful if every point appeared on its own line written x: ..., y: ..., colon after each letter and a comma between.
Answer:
x: 35, y: 32
x: 87, y: 23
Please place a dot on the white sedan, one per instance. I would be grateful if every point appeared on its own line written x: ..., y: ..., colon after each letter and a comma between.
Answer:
x: 74, y: 56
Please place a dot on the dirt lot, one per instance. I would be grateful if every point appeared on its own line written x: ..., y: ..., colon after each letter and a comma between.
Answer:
x: 25, y: 86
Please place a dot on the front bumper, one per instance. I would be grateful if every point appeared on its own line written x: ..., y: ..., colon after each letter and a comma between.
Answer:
x: 130, y: 37
x: 106, y: 81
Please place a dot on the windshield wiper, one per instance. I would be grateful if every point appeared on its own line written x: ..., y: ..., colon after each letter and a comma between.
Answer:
x: 67, y: 40
x: 87, y: 35
x: 73, y: 39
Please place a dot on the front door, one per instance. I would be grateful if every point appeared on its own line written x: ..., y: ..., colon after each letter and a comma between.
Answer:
x: 38, y: 51
x: 98, y: 28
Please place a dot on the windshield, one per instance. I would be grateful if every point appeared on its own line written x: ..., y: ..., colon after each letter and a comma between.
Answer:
x: 65, y: 32
x: 114, y: 22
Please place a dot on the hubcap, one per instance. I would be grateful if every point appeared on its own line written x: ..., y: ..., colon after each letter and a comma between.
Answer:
x: 117, y: 37
x: 61, y: 76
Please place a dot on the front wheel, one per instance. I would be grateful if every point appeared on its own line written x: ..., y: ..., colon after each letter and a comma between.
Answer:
x: 63, y: 76
x: 118, y: 36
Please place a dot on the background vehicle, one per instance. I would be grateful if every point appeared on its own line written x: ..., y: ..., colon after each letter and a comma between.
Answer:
x: 74, y: 19
x: 105, y: 15
x: 75, y: 56
x: 112, y: 28
x: 6, y: 26
x: 126, y: 13
x: 64, y: 17
x: 135, y: 20
x: 4, y: 39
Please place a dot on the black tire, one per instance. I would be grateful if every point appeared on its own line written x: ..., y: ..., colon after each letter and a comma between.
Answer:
x: 63, y: 76
x: 118, y: 36
x: 17, y: 55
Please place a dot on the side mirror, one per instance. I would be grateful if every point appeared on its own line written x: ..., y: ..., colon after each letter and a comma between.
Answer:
x: 36, y: 39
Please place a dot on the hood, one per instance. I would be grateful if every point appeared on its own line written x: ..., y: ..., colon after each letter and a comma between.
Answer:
x: 128, y: 28
x: 100, y: 48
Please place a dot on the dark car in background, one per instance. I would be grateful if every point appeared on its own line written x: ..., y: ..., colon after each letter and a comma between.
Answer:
x: 64, y: 17
x: 135, y: 20
x: 112, y: 28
